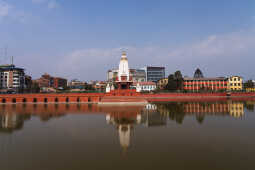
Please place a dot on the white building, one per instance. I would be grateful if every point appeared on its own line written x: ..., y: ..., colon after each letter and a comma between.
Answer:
x: 144, y: 86
x: 12, y: 77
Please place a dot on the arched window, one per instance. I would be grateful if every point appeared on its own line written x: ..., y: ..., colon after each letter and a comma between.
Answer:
x: 14, y: 100
x: 56, y: 100
x: 35, y: 100
x: 67, y: 100
x: 45, y: 100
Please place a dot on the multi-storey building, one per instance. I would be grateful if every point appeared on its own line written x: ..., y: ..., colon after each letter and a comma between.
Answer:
x: 138, y: 75
x: 100, y: 86
x: 235, y: 83
x: 48, y: 81
x: 12, y: 77
x: 59, y: 83
x: 196, y: 84
x: 76, y: 84
x: 112, y: 75
x: 144, y: 86
x: 154, y: 73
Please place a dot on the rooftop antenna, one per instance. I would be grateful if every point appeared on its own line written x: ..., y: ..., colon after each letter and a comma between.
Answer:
x: 11, y: 60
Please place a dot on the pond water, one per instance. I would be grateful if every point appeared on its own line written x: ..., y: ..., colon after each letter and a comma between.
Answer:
x: 189, y: 135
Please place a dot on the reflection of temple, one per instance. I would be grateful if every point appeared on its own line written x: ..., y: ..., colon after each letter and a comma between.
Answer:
x: 124, y: 120
x: 11, y: 122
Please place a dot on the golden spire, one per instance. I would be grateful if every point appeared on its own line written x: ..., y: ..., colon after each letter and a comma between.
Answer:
x: 124, y: 53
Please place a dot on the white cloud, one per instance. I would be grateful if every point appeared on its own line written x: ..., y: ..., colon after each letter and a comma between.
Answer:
x: 217, y: 55
x: 51, y: 4
x: 11, y: 12
x: 38, y: 1
x: 233, y: 44
x: 4, y: 9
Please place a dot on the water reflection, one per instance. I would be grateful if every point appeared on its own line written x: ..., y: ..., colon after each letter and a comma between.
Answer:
x: 124, y: 118
x: 93, y: 136
x: 12, y: 117
x: 177, y: 111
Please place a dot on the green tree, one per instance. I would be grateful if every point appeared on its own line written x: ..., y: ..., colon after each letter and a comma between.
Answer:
x: 175, y: 81
x: 171, y: 85
x: 249, y: 84
x: 35, y: 87
x: 178, y: 79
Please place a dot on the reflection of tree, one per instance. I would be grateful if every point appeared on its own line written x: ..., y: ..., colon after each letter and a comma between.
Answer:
x: 47, y: 116
x: 249, y: 106
x: 200, y: 118
x: 175, y: 111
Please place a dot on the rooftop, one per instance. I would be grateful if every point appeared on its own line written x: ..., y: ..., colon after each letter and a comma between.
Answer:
x: 204, y: 79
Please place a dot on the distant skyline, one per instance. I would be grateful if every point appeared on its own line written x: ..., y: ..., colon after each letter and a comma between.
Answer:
x: 83, y: 38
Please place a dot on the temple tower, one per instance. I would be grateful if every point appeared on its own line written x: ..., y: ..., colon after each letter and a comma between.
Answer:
x: 124, y: 80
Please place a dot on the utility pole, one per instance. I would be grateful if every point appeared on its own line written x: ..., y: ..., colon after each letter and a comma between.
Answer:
x: 11, y: 60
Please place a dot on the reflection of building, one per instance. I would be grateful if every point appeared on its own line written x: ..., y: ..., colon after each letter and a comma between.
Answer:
x: 235, y: 83
x: 236, y: 109
x: 177, y: 111
x: 207, y: 108
x: 152, y: 117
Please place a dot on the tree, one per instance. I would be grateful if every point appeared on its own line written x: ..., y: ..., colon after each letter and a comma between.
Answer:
x: 171, y: 85
x: 249, y: 84
x: 178, y: 79
x: 35, y: 87
x: 175, y: 81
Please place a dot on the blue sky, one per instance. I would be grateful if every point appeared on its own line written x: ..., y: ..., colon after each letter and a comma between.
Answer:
x: 84, y: 38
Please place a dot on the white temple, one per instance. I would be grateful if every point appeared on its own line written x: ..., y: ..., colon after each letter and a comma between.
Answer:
x: 123, y: 74
x: 124, y: 80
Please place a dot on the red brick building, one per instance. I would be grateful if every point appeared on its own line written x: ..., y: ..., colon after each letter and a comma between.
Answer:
x: 196, y: 84
x: 48, y: 81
